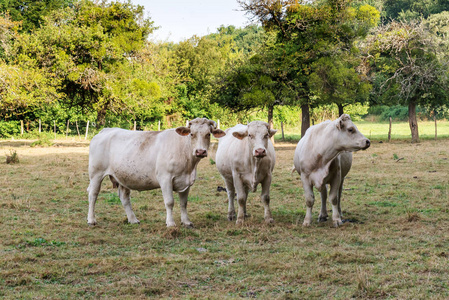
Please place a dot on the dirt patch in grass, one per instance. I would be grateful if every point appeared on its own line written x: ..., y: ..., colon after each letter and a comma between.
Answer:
x: 395, y: 246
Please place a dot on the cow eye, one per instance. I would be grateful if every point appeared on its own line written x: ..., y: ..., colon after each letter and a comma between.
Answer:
x: 266, y: 136
x: 191, y: 134
x: 250, y: 136
x: 208, y: 135
x: 351, y: 130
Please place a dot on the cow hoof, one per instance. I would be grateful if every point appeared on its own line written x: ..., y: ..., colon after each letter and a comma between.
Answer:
x: 231, y: 217
x: 134, y: 222
x: 171, y: 224
x: 269, y: 220
x: 337, y: 223
x: 92, y: 223
x: 239, y: 222
x: 322, y: 219
x: 306, y: 224
x: 188, y: 225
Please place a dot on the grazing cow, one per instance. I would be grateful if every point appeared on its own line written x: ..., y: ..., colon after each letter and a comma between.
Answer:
x: 245, y: 157
x: 324, y: 156
x: 146, y: 160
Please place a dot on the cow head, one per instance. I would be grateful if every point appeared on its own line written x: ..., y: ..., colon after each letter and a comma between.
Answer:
x: 348, y: 137
x: 199, y: 131
x: 258, y: 133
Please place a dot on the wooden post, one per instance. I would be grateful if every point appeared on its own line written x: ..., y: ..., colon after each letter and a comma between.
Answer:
x: 389, y: 132
x: 218, y: 124
x: 135, y: 125
x: 282, y: 129
x: 87, y: 130
x: 159, y: 125
x: 21, y: 127
x: 67, y: 130
x: 187, y: 123
x: 77, y: 129
x: 40, y: 126
x: 54, y: 126
x: 435, y: 119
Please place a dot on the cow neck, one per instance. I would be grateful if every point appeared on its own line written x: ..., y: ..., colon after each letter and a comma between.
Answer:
x: 326, y: 151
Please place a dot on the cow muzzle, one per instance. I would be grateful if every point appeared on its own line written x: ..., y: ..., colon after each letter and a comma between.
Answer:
x: 200, y: 153
x: 259, y: 153
x: 367, y: 144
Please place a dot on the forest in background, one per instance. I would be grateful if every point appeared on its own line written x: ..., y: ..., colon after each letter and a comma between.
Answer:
x: 300, y: 62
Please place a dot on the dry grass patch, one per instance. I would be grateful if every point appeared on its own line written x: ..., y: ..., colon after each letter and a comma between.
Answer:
x: 394, y: 245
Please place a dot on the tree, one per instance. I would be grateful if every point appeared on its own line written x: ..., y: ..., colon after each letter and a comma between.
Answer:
x: 31, y: 13
x: 307, y: 34
x: 409, y: 68
x: 83, y: 46
x: 408, y: 10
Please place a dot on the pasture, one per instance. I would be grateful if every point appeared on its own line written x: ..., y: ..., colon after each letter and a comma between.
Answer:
x: 395, y: 244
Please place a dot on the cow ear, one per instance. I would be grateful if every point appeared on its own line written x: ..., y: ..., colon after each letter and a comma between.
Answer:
x: 272, y: 132
x: 340, y: 124
x: 240, y: 135
x: 184, y: 131
x: 218, y: 133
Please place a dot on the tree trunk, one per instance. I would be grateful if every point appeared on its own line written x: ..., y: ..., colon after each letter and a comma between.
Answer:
x: 270, y: 120
x: 340, y: 109
x: 101, y: 115
x: 413, y: 123
x: 305, y: 122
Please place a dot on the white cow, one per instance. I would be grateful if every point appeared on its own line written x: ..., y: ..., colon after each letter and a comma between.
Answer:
x: 146, y: 160
x: 324, y: 156
x: 245, y: 157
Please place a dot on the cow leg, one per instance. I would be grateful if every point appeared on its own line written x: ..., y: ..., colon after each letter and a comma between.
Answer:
x: 323, y: 214
x: 310, y: 199
x: 266, y: 199
x: 333, y: 197
x: 242, y: 194
x: 93, y: 190
x: 340, y: 190
x: 183, y: 196
x: 124, y: 194
x: 231, y: 195
x: 167, y: 193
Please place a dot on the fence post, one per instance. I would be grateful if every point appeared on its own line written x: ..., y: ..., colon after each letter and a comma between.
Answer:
x: 40, y: 126
x: 218, y: 123
x: 67, y: 131
x: 389, y: 132
x: 435, y: 119
x: 135, y: 125
x: 77, y: 130
x: 87, y: 129
x: 159, y: 125
x: 54, y: 125
x: 282, y: 129
x: 21, y: 127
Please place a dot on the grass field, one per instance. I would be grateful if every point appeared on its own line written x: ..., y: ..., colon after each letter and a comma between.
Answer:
x: 396, y: 245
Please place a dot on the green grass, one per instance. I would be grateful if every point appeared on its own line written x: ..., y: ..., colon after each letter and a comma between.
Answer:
x: 379, y: 130
x: 395, y: 245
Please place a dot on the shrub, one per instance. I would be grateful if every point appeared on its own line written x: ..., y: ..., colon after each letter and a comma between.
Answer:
x: 13, y: 157
x: 9, y: 129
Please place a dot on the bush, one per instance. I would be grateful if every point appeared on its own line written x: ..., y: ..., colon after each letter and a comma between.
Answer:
x: 13, y: 157
x: 9, y: 129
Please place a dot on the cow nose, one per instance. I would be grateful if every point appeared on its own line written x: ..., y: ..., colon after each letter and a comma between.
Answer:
x: 260, y: 152
x: 368, y: 143
x: 201, y: 153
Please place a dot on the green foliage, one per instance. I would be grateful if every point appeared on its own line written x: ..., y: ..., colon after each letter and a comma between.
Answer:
x: 9, y: 129
x: 31, y: 13
x: 43, y: 141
